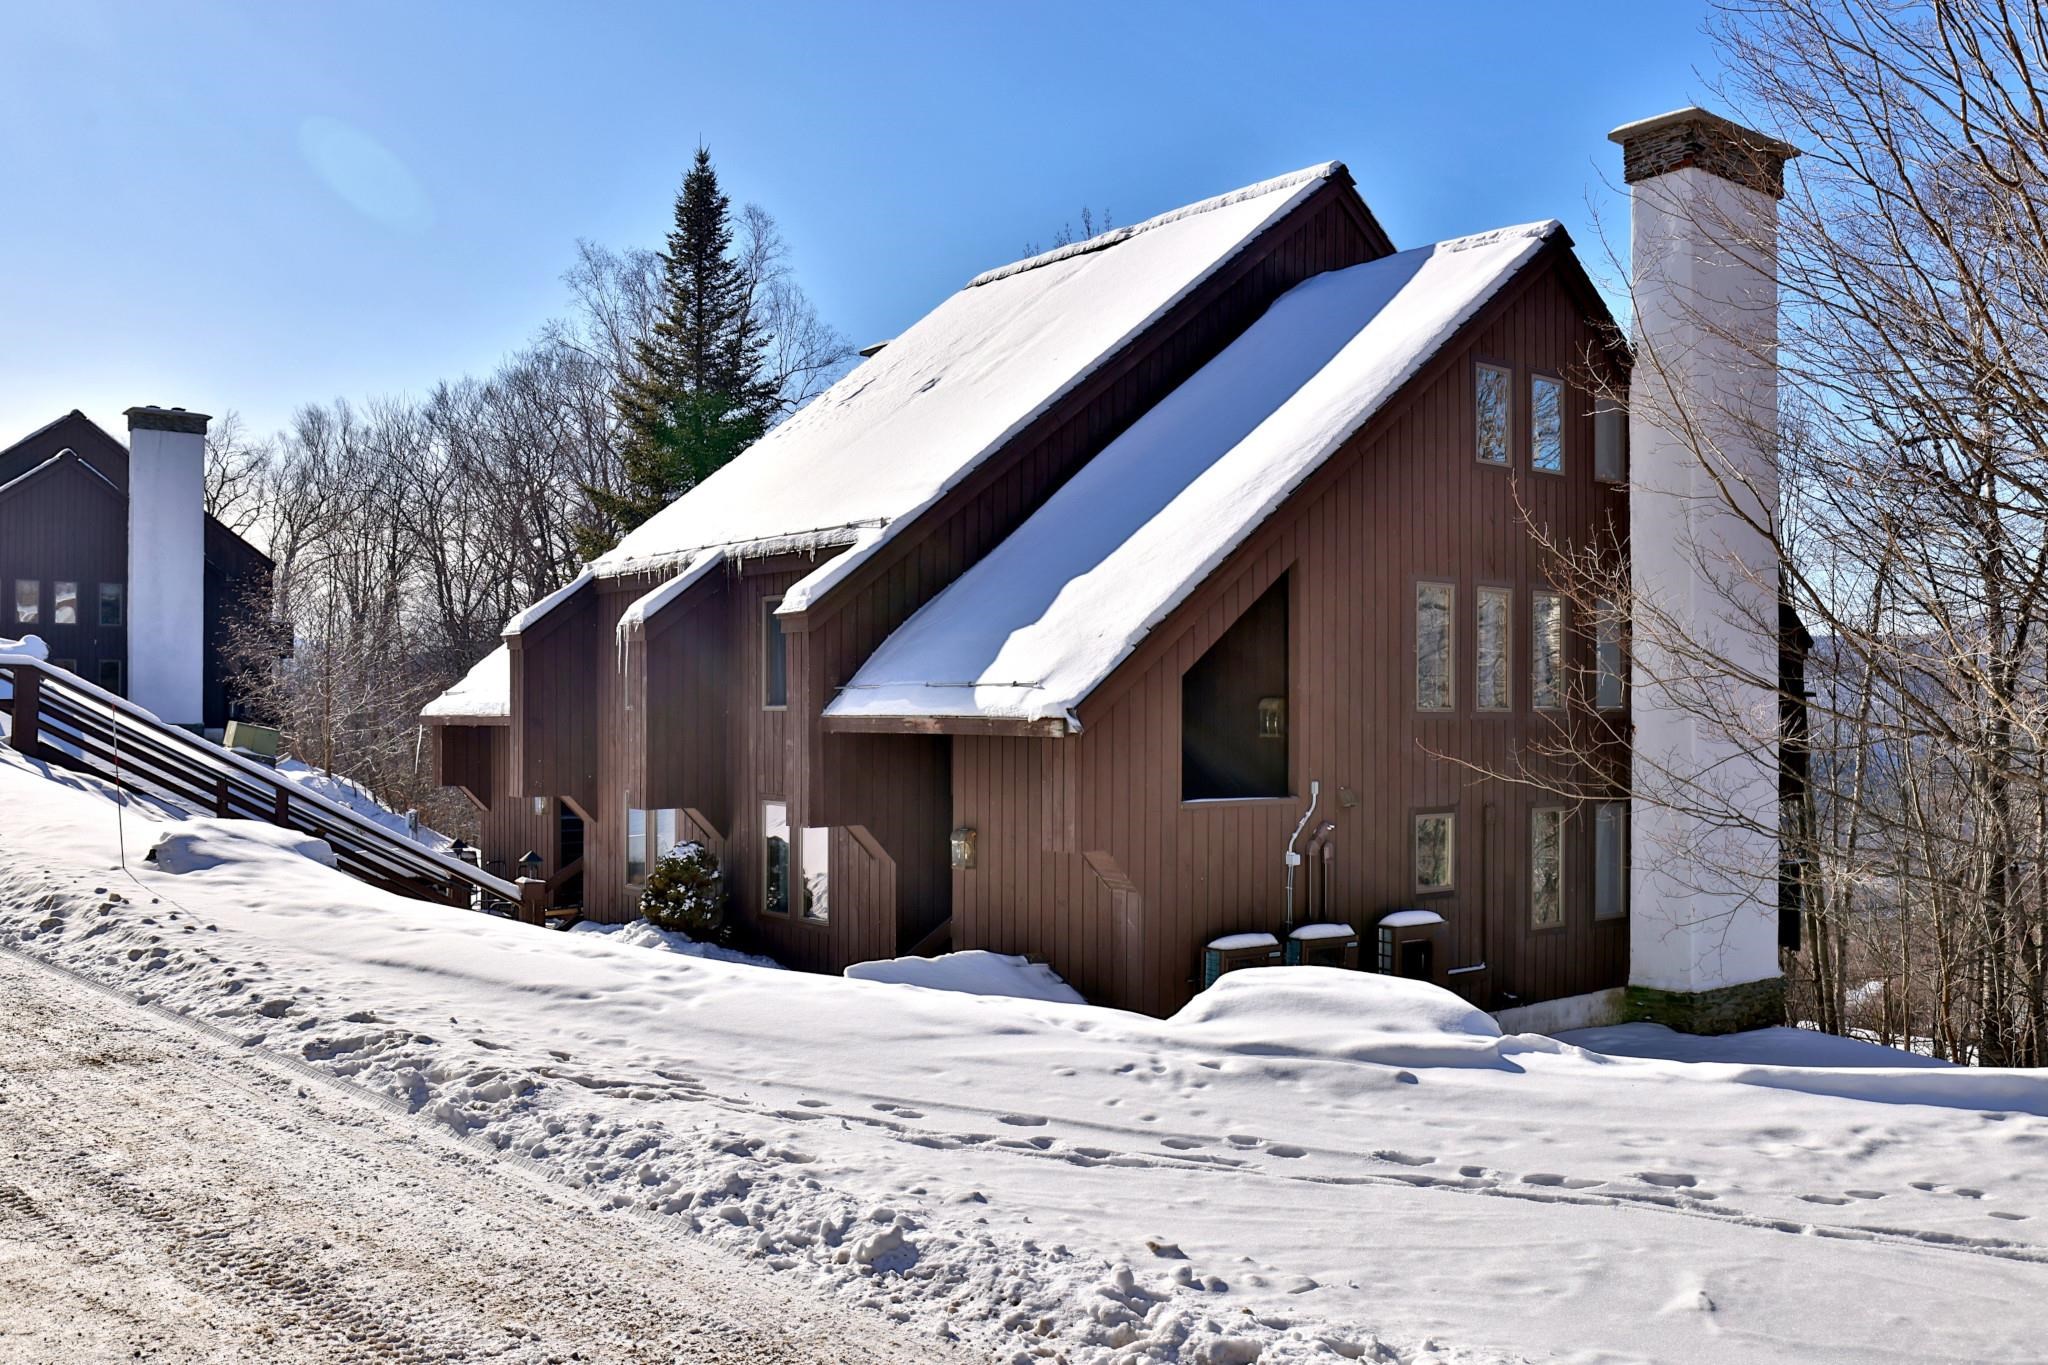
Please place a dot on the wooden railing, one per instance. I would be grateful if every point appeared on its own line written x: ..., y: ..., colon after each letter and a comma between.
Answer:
x: 62, y: 719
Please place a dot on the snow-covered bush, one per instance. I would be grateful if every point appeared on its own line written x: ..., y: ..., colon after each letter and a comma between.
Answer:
x: 685, y: 893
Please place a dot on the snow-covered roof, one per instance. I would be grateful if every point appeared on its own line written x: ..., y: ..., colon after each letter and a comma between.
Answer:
x: 899, y: 430
x: 1040, y: 621
x: 485, y: 692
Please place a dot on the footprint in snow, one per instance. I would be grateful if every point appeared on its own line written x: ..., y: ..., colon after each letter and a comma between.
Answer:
x: 1552, y: 1180
x: 1286, y: 1149
x: 1180, y: 1144
x: 2009, y: 1216
x: 1824, y: 1199
x: 1864, y: 1194
x: 1670, y: 1180
x: 1402, y: 1158
x: 1022, y: 1120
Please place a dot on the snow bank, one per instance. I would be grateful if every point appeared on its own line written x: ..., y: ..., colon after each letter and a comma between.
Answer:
x: 640, y: 934
x: 355, y: 797
x: 1330, y: 1014
x: 200, y: 843
x: 1034, y: 626
x: 974, y: 972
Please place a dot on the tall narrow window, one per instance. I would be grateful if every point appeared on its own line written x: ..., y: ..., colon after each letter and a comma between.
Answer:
x: 774, y: 658
x: 1610, y: 443
x: 1233, y: 708
x: 1607, y: 646
x: 1610, y: 860
x: 1435, y: 668
x: 66, y: 605
x: 775, y: 858
x: 636, y: 846
x: 1436, y: 837
x: 1546, y: 867
x: 814, y: 849
x: 1546, y: 424
x: 1493, y: 412
x: 1491, y: 671
x: 113, y: 677
x: 1546, y: 651
x: 113, y: 604
x: 28, y: 601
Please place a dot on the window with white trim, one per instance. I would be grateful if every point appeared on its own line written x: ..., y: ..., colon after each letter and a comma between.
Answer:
x: 1436, y: 851
x: 1546, y: 424
x: 814, y: 863
x: 775, y: 857
x: 1608, y: 689
x: 28, y: 601
x: 65, y: 607
x: 1435, y: 663
x: 1493, y: 412
x: 1546, y: 651
x: 1546, y: 867
x: 1493, y: 634
x: 1610, y: 860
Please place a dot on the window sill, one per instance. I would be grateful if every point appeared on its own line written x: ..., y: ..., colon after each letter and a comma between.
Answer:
x: 1213, y: 802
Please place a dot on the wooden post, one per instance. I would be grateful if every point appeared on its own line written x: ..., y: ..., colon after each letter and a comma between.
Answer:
x: 281, y: 810
x: 533, y: 901
x: 28, y: 705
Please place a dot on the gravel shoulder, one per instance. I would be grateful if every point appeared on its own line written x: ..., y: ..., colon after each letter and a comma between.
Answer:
x: 165, y: 1196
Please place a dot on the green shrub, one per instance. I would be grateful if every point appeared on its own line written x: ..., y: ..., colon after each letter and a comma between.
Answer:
x: 685, y: 893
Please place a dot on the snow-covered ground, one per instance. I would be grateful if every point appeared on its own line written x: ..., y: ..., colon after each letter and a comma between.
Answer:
x: 1305, y: 1165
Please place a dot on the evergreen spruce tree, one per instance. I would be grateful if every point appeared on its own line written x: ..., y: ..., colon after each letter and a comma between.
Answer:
x: 699, y: 397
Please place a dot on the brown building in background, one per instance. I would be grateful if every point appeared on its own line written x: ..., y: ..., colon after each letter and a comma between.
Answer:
x: 1037, y: 631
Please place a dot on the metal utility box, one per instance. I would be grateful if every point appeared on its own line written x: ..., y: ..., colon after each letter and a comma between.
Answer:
x: 1411, y: 944
x: 258, y: 741
x: 1323, y: 945
x: 1235, y: 951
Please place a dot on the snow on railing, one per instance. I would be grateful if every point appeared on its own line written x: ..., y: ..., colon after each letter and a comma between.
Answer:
x: 124, y: 716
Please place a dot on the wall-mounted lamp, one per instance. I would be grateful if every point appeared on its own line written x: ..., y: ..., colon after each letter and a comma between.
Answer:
x: 1272, y: 717
x: 529, y: 866
x: 540, y: 805
x: 963, y: 849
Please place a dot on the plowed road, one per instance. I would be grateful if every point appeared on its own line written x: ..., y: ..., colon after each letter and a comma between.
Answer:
x: 165, y: 1197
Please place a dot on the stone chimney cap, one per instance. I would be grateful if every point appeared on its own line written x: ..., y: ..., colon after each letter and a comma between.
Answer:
x: 154, y: 418
x: 1695, y: 137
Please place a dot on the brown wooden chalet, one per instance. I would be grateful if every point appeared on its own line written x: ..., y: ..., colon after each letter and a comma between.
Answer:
x: 65, y: 532
x: 1034, y: 633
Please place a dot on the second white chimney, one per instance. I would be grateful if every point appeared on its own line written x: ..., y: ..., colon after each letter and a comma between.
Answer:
x: 1703, y: 499
x: 167, y: 562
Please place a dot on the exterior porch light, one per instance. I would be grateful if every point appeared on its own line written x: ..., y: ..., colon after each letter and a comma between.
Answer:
x: 529, y: 866
x: 963, y: 849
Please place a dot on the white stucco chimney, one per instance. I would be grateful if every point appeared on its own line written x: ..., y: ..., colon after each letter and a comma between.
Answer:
x: 1703, y: 498
x: 167, y: 562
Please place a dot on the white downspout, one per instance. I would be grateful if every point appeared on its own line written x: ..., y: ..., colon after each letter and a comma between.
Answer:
x: 1315, y: 792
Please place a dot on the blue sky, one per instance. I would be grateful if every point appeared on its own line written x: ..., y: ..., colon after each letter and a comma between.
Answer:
x: 254, y: 205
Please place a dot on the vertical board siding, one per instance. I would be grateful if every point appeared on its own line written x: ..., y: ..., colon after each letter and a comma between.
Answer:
x: 1405, y: 500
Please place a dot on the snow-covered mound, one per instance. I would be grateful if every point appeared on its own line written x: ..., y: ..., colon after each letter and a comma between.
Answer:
x: 640, y: 934
x: 354, y: 796
x: 974, y: 972
x: 1331, y: 1014
x: 201, y: 843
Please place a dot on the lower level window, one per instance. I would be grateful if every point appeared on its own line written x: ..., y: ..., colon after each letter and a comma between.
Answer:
x: 113, y: 677
x: 1546, y: 867
x: 28, y: 601
x: 1435, y: 851
x: 814, y: 851
x: 775, y: 858
x: 66, y: 613
x: 1610, y: 860
x: 650, y: 834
